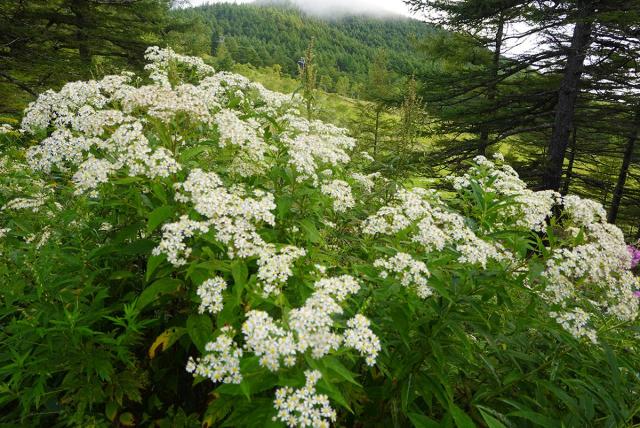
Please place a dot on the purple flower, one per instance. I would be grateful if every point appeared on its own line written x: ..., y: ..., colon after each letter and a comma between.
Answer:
x: 635, y: 255
x: 636, y: 293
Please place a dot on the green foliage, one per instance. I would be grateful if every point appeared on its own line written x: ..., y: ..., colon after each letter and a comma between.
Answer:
x: 45, y: 44
x: 97, y: 327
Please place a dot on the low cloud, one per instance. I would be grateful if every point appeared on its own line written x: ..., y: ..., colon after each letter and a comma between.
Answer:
x: 331, y: 8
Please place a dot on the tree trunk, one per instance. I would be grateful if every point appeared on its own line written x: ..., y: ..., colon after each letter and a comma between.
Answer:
x: 491, y: 89
x: 572, y: 157
x: 81, y: 12
x: 567, y: 96
x: 624, y: 170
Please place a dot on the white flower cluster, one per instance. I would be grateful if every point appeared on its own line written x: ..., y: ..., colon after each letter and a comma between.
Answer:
x: 234, y: 218
x: 340, y: 192
x: 173, y: 237
x: 576, y: 322
x: 5, y: 128
x: 128, y: 148
x: 161, y: 58
x: 222, y: 361
x: 313, y: 322
x: 433, y: 227
x: 274, y: 268
x: 273, y: 344
x: 103, y: 127
x: 413, y: 273
x: 304, y: 407
x: 583, y: 212
x: 530, y: 210
x: 60, y: 108
x: 310, y: 328
x: 210, y: 293
x: 359, y: 336
x: 33, y: 204
x: 366, y: 181
x: 249, y: 160
x: 323, y: 146
x: 600, y: 265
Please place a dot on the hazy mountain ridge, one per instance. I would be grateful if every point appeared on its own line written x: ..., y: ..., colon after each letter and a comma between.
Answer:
x: 333, y: 8
x: 278, y: 32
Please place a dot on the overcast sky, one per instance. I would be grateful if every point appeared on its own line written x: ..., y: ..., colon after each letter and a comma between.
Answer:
x: 327, y: 6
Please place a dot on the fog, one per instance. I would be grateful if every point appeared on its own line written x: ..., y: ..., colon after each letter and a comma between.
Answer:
x: 331, y: 8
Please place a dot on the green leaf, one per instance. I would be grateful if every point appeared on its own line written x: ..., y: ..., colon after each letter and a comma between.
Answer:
x: 216, y: 411
x: 200, y: 330
x: 159, y: 216
x: 111, y: 410
x: 284, y: 204
x: 421, y: 421
x: 333, y: 393
x: 192, y: 152
x: 152, y: 264
x: 159, y: 191
x: 311, y: 231
x: 461, y: 419
x: 337, y: 367
x: 157, y: 289
x: 121, y: 274
x: 536, y: 418
x: 166, y: 340
x: 127, y: 419
x: 240, y: 272
x: 128, y: 180
x: 491, y: 421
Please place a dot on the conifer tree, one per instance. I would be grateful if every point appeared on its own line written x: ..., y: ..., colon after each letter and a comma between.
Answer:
x: 46, y: 42
x: 379, y: 95
x: 308, y: 79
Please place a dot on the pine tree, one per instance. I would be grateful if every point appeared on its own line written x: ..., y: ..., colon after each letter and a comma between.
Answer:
x: 379, y: 96
x: 224, y: 60
x: 307, y: 74
x: 57, y: 40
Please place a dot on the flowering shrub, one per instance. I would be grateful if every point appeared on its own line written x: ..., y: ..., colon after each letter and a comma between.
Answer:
x: 186, y: 249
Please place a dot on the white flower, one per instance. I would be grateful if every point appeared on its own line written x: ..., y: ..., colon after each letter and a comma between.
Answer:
x: 34, y: 204
x: 366, y: 181
x: 5, y: 128
x: 576, y: 322
x: 304, y: 407
x: 360, y: 337
x: 312, y: 324
x: 413, y: 273
x: 173, y: 237
x: 583, y: 211
x: 435, y: 227
x: 274, y: 268
x: 221, y: 363
x: 210, y: 293
x: 340, y: 192
x: 106, y: 227
x: 91, y: 173
x: 273, y: 344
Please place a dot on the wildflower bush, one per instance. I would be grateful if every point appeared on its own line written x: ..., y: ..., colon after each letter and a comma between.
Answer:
x: 185, y: 249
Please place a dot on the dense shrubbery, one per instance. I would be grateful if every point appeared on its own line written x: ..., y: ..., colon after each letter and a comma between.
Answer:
x: 186, y: 249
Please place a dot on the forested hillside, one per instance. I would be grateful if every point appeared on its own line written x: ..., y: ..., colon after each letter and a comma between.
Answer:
x: 268, y: 34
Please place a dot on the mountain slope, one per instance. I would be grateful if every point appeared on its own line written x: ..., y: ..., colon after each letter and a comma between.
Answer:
x: 268, y: 34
